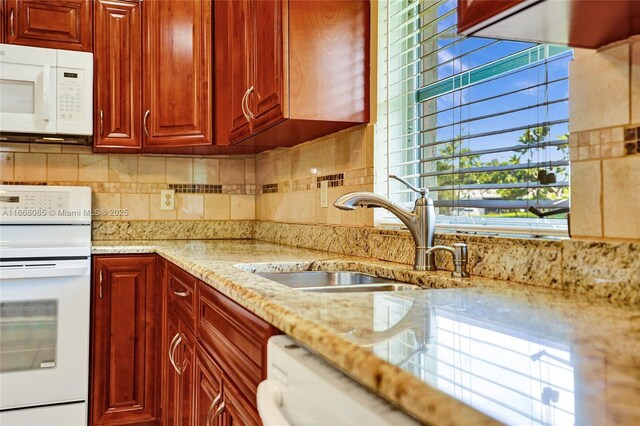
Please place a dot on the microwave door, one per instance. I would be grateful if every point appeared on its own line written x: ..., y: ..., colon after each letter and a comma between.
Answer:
x: 27, y: 89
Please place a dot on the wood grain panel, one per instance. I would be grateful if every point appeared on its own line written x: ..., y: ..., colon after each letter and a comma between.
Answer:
x: 235, y: 337
x: 118, y: 85
x: 472, y: 12
x: 181, y: 294
x: 56, y: 24
x: 177, y: 73
x: 268, y: 102
x: 208, y: 379
x: 238, y: 411
x: 329, y: 60
x: 233, y: 49
x: 124, y: 342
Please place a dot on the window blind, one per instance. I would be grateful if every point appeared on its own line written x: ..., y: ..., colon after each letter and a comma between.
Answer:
x: 482, y: 123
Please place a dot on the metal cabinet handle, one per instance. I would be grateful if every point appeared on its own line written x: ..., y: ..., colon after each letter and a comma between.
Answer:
x: 218, y: 412
x: 100, y: 280
x: 11, y: 14
x: 213, y: 405
x: 172, y: 348
x: 101, y: 122
x: 181, y: 293
x: 144, y: 122
x: 246, y: 100
x: 244, y: 111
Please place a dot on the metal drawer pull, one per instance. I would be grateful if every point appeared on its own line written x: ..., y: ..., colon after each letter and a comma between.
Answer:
x: 144, y: 122
x: 100, y: 283
x: 181, y: 293
x: 218, y: 412
x: 213, y: 405
x: 172, y: 348
x: 246, y: 100
x: 101, y: 122
x: 11, y: 21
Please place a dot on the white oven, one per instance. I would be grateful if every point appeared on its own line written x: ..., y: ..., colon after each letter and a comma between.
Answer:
x: 45, y: 265
x: 45, y: 91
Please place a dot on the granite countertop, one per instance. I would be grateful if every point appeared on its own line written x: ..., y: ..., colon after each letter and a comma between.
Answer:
x: 467, y: 351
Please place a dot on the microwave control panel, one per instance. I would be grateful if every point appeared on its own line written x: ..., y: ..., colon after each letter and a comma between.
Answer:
x: 70, y: 85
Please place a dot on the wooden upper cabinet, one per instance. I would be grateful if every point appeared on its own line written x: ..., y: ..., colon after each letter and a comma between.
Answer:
x: 124, y: 322
x: 118, y: 84
x: 2, y: 17
x: 577, y: 23
x: 57, y: 24
x: 266, y: 101
x: 177, y: 73
x: 472, y: 12
x: 289, y: 71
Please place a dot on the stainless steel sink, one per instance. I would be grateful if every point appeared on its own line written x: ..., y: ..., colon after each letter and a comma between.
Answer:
x: 336, y: 281
x: 363, y: 288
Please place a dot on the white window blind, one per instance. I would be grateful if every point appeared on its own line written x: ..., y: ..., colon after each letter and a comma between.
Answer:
x: 482, y: 123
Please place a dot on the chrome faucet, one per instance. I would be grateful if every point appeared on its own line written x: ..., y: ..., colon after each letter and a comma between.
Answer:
x: 420, y: 221
x: 460, y: 258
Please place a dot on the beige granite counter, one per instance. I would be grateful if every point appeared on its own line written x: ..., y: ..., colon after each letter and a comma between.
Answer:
x: 465, y: 352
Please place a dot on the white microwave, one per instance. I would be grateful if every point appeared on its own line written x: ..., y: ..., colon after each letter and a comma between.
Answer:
x: 45, y: 93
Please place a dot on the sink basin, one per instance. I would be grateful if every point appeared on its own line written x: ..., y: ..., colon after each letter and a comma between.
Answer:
x: 363, y: 288
x: 336, y: 281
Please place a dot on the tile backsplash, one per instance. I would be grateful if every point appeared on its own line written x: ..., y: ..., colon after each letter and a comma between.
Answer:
x: 604, y: 122
x: 289, y: 179
x: 207, y: 188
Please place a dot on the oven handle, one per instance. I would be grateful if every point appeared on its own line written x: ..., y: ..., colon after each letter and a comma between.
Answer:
x: 42, y: 269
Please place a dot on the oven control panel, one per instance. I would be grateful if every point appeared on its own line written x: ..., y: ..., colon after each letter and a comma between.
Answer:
x: 48, y: 203
x: 44, y: 204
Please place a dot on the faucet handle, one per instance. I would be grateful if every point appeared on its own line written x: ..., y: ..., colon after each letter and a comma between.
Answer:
x: 422, y: 191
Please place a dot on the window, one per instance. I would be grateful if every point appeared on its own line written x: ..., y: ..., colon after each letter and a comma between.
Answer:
x: 482, y: 123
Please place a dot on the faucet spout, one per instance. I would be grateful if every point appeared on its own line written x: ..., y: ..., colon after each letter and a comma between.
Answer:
x: 420, y: 221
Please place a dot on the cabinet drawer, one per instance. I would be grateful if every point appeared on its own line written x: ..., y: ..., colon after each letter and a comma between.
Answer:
x: 235, y: 337
x: 181, y: 297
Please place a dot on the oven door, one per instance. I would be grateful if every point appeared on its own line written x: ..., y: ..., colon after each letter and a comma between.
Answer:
x: 27, y: 89
x: 44, y: 332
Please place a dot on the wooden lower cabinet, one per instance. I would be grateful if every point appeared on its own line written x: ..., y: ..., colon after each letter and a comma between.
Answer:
x: 169, y: 349
x: 179, y: 373
x: 218, y: 400
x: 124, y: 385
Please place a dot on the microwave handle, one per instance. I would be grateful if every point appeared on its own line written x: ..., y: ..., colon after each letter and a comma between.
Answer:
x: 46, y: 95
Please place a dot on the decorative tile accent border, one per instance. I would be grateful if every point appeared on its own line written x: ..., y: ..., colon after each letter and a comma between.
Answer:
x: 196, y: 188
x: 24, y: 183
x: 631, y: 140
x: 362, y: 176
x: 270, y: 188
x: 149, y: 188
x: 597, y: 144
x: 332, y: 180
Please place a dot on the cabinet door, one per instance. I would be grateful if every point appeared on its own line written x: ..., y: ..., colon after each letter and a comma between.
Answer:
x: 234, y: 41
x: 208, y: 390
x: 237, y: 410
x: 170, y: 382
x: 118, y: 84
x: 177, y: 73
x: 472, y: 12
x: 185, y: 358
x: 267, y: 101
x: 123, y: 367
x: 57, y: 24
x: 2, y: 18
